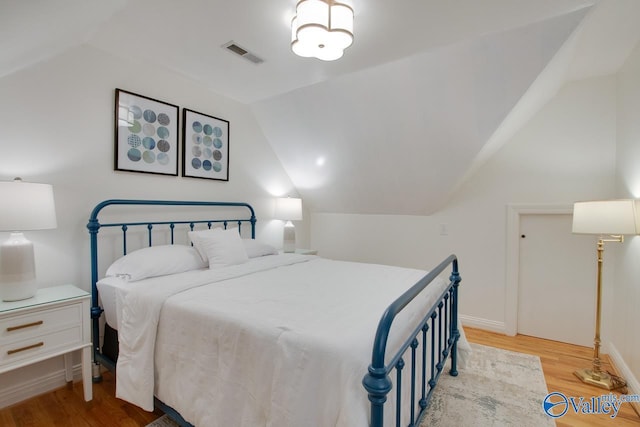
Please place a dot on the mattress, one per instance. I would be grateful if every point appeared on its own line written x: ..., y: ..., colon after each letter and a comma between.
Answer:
x: 281, y: 340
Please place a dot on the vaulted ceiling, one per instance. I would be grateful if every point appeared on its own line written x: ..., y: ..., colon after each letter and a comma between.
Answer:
x: 427, y: 92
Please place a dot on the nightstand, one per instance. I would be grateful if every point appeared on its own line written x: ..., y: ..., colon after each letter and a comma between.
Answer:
x: 54, y: 322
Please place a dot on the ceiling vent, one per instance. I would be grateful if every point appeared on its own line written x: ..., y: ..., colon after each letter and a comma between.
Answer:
x: 240, y: 51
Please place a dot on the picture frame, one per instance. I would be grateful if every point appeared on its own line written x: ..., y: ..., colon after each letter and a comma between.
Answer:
x: 205, y: 146
x: 146, y: 134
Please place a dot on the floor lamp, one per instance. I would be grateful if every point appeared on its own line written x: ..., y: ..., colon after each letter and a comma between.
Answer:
x: 612, y: 218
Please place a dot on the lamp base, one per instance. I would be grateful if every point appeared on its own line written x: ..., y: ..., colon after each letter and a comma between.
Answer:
x: 602, y: 379
x: 289, y: 238
x: 18, y: 291
x: 17, y: 269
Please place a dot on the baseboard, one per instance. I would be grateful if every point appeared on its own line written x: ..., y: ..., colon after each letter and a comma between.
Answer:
x: 33, y: 387
x: 489, y: 325
x: 623, y: 369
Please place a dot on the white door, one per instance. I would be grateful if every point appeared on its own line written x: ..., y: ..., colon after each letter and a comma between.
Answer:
x: 557, y: 283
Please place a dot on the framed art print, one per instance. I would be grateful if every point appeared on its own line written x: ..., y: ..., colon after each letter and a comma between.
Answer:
x: 205, y: 146
x: 146, y: 137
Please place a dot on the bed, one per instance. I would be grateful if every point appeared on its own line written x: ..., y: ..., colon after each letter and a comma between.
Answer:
x: 228, y: 332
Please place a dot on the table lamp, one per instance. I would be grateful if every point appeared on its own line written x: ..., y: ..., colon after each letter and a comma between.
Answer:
x: 25, y: 206
x: 613, y: 218
x: 289, y: 209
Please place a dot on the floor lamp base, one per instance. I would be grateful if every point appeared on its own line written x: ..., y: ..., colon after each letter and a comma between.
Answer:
x: 602, y: 380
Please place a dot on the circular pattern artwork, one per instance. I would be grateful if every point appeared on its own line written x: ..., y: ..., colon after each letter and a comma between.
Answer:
x: 136, y: 112
x: 135, y: 127
x: 149, y: 116
x: 146, y: 135
x: 149, y: 143
x: 163, y: 158
x: 206, y: 146
x: 163, y: 132
x: 149, y: 156
x: 148, y: 129
x: 164, y: 146
x: 163, y: 119
x: 134, y: 141
x: 134, y: 155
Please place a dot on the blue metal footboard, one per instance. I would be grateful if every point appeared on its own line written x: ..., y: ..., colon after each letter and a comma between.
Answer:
x: 434, y: 339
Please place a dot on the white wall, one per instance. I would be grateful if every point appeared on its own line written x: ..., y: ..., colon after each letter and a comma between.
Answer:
x: 566, y: 152
x: 57, y: 127
x: 627, y: 282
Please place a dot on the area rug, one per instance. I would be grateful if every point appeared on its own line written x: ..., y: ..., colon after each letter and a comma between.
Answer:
x: 163, y: 421
x: 498, y: 388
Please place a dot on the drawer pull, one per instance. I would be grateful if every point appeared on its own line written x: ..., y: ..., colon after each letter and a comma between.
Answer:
x: 26, y: 325
x: 29, y: 347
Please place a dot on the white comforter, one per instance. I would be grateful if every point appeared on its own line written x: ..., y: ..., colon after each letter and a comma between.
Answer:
x: 278, y: 341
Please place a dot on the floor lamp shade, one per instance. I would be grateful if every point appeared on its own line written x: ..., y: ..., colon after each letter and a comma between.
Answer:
x: 289, y: 209
x: 23, y: 207
x: 613, y: 217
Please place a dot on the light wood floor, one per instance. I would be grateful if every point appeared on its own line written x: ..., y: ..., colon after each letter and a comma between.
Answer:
x: 66, y: 407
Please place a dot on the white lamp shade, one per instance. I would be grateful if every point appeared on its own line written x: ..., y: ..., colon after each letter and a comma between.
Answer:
x: 288, y: 209
x: 616, y: 217
x: 26, y: 206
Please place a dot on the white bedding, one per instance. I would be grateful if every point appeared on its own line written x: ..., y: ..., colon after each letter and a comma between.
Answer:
x: 277, y: 341
x: 107, y: 288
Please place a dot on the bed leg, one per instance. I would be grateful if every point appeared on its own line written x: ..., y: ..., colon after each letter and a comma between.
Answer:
x: 96, y: 374
x: 454, y: 360
x: 96, y: 312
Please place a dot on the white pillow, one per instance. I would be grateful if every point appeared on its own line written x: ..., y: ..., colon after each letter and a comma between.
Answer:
x: 220, y: 247
x: 156, y: 261
x: 255, y: 249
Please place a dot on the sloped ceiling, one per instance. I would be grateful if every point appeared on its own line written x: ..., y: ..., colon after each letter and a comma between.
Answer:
x: 392, y: 127
x: 393, y: 139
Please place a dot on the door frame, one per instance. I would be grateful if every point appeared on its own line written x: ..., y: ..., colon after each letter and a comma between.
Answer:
x: 514, y: 211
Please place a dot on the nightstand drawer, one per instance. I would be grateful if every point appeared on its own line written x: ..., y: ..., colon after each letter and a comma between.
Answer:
x: 40, y: 345
x: 18, y: 328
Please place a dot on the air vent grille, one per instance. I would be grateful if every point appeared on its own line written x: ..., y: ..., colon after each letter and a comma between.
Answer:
x: 244, y: 53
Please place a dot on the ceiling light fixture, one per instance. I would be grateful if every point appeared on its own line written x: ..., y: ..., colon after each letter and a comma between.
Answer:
x: 321, y: 29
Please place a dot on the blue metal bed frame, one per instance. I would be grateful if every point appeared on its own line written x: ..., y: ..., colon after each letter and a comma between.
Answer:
x: 437, y: 330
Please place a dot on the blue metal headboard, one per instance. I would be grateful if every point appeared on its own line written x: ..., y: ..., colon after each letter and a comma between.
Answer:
x: 94, y: 226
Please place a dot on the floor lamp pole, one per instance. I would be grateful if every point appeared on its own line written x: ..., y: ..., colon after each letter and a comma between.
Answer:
x: 595, y: 376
